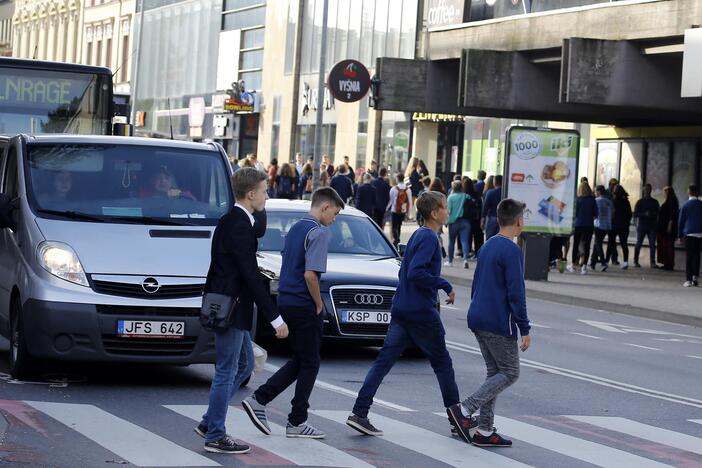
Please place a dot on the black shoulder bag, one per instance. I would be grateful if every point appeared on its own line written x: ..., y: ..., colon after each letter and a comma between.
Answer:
x: 216, y: 312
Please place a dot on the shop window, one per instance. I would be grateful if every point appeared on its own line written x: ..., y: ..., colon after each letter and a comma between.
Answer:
x: 607, y: 162
x: 244, y: 19
x: 252, y: 79
x: 658, y: 167
x: 684, y: 162
x: 631, y: 169
x: 251, y: 59
x: 253, y: 38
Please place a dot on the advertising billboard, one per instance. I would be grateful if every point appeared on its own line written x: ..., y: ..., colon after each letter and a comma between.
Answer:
x: 541, y: 170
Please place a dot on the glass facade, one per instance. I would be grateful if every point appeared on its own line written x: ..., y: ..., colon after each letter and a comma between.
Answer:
x: 489, y: 9
x: 176, y: 62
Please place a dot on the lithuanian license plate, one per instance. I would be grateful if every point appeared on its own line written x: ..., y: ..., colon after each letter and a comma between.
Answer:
x: 360, y: 316
x: 150, y: 329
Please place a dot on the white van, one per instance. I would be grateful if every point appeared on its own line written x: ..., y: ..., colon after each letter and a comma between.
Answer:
x: 105, y: 247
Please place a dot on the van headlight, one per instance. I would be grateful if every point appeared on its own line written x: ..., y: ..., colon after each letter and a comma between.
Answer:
x: 61, y: 261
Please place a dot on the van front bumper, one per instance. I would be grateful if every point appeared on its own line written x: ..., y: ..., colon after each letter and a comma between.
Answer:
x: 88, y: 332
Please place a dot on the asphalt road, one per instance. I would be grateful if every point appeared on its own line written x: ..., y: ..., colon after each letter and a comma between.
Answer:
x: 596, y: 388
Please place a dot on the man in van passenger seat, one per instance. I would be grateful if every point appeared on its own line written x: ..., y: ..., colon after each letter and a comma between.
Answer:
x: 163, y: 185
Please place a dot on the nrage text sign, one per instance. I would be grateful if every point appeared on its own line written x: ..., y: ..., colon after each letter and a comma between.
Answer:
x: 30, y: 90
x: 541, y: 171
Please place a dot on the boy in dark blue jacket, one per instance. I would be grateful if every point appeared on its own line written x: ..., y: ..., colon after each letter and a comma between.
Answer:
x: 497, y: 309
x: 415, y: 319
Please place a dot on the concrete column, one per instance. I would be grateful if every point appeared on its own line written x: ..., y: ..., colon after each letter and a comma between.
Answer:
x: 42, y: 26
x: 18, y: 40
x: 71, y: 44
x: 61, y: 42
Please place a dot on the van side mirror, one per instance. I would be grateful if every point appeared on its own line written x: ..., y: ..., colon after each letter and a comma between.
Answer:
x: 8, y: 205
x: 401, y: 249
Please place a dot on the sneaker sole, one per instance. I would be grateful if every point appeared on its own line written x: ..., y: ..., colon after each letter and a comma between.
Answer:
x: 363, y: 430
x: 216, y: 450
x: 300, y: 436
x: 456, y: 425
x: 252, y: 416
x: 489, y: 445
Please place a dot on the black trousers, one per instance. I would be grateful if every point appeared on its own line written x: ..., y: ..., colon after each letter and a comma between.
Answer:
x: 598, y: 254
x: 379, y: 218
x: 477, y: 234
x: 612, y: 245
x: 641, y: 233
x: 397, y: 219
x: 581, y: 244
x: 305, y: 339
x: 623, y: 235
x: 693, y: 246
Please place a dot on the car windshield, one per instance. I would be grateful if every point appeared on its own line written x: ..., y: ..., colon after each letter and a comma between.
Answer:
x: 349, y: 234
x: 128, y: 183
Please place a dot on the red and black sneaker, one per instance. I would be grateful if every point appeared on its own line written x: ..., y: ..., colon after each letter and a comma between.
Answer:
x: 461, y: 423
x: 492, y: 440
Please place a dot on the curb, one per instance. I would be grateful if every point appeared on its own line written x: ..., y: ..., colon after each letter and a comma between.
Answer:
x: 625, y: 309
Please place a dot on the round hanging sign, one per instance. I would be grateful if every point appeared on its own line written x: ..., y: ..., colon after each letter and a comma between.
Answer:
x: 349, y: 81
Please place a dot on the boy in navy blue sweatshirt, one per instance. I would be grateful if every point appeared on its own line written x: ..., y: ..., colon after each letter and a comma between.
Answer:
x: 415, y: 318
x: 497, y: 309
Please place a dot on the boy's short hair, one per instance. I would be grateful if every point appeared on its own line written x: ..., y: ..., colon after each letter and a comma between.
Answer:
x: 457, y: 186
x: 694, y: 190
x: 498, y: 180
x: 426, y: 181
x: 245, y: 180
x: 326, y: 195
x: 400, y: 177
x: 429, y: 201
x: 383, y: 172
x: 509, y: 211
x: 600, y: 190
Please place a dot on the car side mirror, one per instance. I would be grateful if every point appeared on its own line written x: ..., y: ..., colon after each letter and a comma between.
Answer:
x: 8, y: 205
x: 401, y: 249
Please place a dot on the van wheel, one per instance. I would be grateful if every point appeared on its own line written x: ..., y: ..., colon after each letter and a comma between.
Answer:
x: 22, y: 365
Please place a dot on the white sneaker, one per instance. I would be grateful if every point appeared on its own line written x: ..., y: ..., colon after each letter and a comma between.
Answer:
x: 624, y: 266
x: 447, y: 263
x: 570, y: 269
x: 583, y: 270
x: 688, y: 284
x: 465, y: 264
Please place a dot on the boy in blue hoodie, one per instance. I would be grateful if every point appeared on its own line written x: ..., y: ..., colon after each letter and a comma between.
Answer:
x: 497, y: 309
x: 415, y: 319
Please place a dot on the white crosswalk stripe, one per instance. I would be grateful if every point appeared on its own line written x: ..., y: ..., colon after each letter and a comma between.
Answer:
x: 644, y: 431
x: 591, y: 452
x: 442, y: 448
x: 299, y: 451
x: 123, y: 438
x: 698, y: 421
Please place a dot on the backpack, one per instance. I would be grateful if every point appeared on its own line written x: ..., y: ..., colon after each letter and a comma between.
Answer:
x: 401, y: 201
x: 470, y: 208
x: 284, y: 186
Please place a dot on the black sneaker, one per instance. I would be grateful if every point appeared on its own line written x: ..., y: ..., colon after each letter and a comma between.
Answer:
x: 604, y: 267
x: 363, y: 425
x: 201, y: 430
x: 460, y: 422
x: 492, y: 440
x: 473, y: 424
x: 226, y: 445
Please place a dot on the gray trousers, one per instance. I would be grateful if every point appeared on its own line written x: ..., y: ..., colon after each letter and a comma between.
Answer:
x: 501, y: 355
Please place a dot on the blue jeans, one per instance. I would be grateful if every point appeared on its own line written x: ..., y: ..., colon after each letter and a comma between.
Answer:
x: 461, y: 229
x: 234, y: 364
x: 491, y: 227
x: 429, y: 337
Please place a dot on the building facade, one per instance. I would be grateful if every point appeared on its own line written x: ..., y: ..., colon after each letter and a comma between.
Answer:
x: 7, y: 12
x: 632, y: 88
x: 48, y: 30
x: 362, y: 30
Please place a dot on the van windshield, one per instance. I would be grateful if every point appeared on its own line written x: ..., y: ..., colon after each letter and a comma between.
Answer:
x: 127, y: 183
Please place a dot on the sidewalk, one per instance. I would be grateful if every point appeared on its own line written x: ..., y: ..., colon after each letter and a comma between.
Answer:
x: 643, y: 292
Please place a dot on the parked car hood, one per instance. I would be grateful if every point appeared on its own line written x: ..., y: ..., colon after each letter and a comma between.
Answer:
x: 129, y: 249
x: 345, y: 269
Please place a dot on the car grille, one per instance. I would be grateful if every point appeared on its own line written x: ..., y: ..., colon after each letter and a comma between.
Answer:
x: 114, y: 344
x: 150, y: 311
x: 346, y: 299
x: 166, y: 291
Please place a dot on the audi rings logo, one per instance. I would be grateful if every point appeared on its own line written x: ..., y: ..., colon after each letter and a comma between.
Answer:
x: 368, y: 299
x: 150, y: 286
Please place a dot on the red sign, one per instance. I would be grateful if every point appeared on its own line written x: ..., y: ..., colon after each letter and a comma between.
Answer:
x: 517, y: 177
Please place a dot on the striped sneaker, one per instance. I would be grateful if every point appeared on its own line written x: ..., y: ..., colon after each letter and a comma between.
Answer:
x: 304, y: 430
x: 257, y: 414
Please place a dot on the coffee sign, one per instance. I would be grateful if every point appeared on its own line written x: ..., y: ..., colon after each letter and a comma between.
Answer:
x: 349, y: 81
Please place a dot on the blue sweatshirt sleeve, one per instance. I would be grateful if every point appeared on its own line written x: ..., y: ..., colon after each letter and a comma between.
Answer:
x: 516, y: 294
x: 681, y: 221
x: 418, y: 271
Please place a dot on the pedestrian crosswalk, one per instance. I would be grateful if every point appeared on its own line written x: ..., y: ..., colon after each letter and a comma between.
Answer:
x: 605, y: 441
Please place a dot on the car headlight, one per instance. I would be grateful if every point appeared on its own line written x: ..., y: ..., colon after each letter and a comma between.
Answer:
x: 61, y: 261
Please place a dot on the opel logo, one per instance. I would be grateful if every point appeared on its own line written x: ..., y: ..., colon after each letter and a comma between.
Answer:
x: 150, y: 286
x: 368, y: 299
